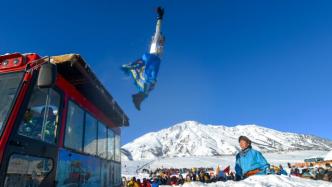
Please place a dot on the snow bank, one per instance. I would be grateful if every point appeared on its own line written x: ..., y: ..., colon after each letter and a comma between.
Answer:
x: 264, y: 181
x: 328, y: 156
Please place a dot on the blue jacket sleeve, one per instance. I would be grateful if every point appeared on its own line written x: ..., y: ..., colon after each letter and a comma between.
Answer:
x: 260, y: 163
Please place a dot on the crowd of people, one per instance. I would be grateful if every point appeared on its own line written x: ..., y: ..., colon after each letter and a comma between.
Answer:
x: 175, y: 177
x: 179, y: 176
x: 316, y: 173
x: 248, y: 162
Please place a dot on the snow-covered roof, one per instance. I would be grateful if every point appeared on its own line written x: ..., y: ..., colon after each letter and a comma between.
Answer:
x: 328, y: 156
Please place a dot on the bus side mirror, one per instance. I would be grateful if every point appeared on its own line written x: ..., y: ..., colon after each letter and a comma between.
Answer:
x: 47, y: 75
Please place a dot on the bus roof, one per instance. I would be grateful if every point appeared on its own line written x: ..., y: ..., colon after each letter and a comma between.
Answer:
x: 76, y: 71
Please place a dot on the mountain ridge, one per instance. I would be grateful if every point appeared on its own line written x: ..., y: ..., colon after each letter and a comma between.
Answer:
x: 191, y: 138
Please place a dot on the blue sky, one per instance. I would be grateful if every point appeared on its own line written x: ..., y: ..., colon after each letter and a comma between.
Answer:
x: 225, y: 62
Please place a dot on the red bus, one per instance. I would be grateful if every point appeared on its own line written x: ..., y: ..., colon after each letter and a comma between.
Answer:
x: 59, y: 126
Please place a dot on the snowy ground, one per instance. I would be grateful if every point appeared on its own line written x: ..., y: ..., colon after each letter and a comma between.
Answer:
x: 266, y: 181
x: 129, y: 168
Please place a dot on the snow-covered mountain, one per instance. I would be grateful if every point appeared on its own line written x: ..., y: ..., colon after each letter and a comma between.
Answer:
x: 192, y: 138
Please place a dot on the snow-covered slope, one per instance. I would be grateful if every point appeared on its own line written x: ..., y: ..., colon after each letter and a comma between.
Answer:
x: 130, y: 168
x: 328, y: 156
x: 191, y: 138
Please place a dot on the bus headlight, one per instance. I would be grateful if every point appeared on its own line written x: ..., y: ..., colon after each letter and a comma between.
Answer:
x: 5, y: 63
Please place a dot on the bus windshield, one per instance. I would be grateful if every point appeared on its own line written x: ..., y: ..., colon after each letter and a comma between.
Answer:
x: 9, y: 84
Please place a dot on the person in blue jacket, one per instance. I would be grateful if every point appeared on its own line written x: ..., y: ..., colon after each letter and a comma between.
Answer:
x: 282, y: 171
x: 249, y: 161
x: 155, y: 182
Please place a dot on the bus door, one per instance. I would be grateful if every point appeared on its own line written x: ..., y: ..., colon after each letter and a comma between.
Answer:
x: 31, y: 153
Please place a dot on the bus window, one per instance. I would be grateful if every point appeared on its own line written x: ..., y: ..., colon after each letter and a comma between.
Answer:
x: 9, y: 84
x: 41, y: 117
x: 26, y: 170
x: 110, y: 143
x: 77, y: 170
x: 104, y: 173
x: 90, y: 137
x: 118, y: 174
x: 102, y: 140
x: 112, y: 173
x: 116, y: 168
x: 117, y: 148
x: 74, y: 130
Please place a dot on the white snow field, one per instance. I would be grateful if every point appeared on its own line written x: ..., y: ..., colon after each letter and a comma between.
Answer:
x: 265, y: 181
x: 130, y: 167
x: 328, y: 156
x: 134, y: 168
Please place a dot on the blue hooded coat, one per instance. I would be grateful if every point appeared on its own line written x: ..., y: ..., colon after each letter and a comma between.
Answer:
x: 248, y: 160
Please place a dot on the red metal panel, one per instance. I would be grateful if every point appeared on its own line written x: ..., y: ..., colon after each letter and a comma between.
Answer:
x: 20, y: 65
